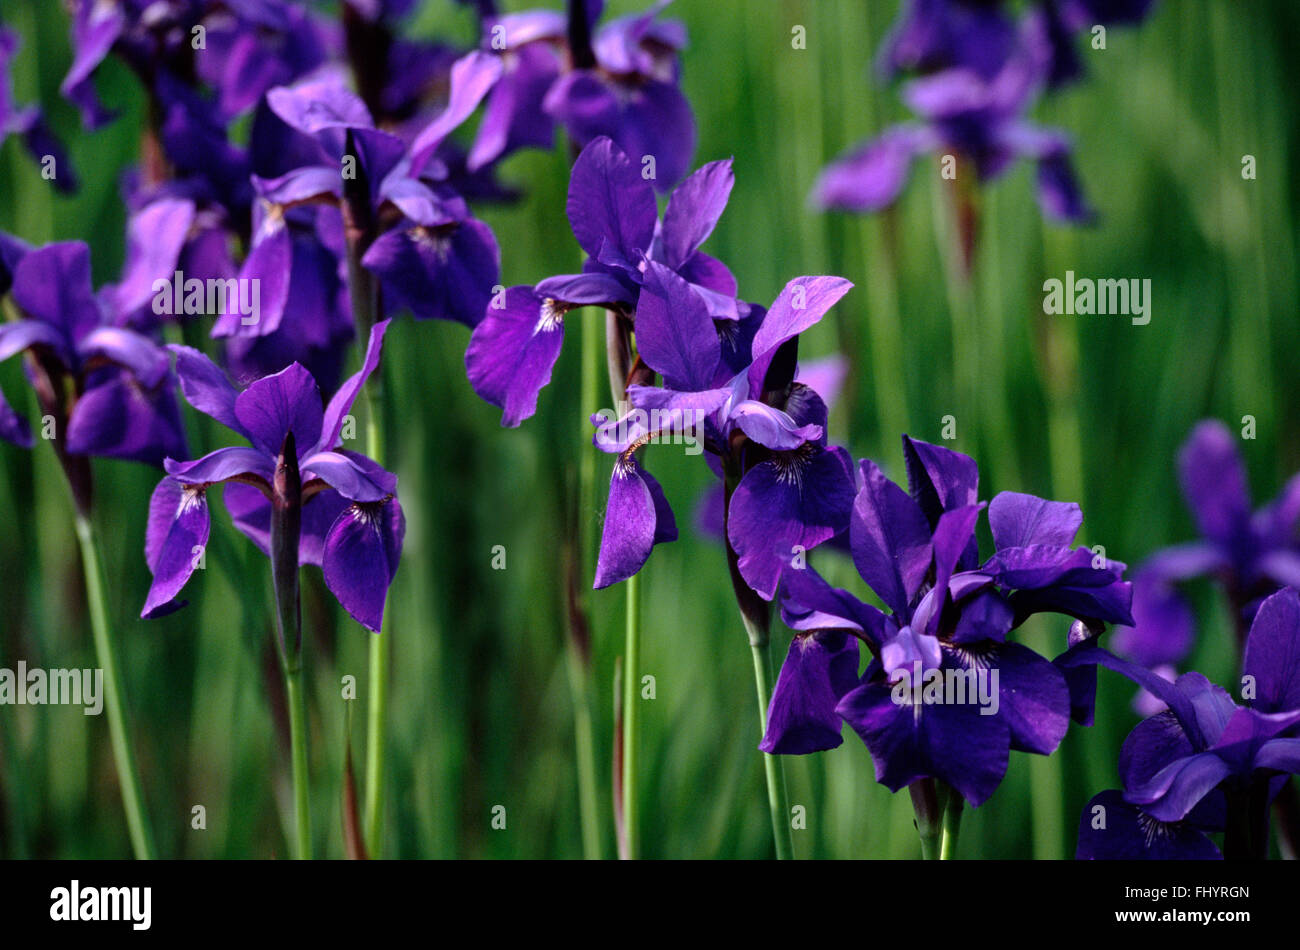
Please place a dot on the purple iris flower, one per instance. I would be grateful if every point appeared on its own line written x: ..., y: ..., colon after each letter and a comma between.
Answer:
x: 1205, y: 762
x: 109, y: 390
x: 934, y: 35
x: 1250, y: 553
x: 350, y: 522
x: 614, y: 216
x: 980, y: 118
x: 419, y: 238
x: 619, y: 81
x: 1057, y: 25
x: 949, y: 619
x: 28, y: 121
x: 787, y: 490
x: 255, y: 44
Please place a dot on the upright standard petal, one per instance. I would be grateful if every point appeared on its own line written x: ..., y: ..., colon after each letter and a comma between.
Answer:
x: 274, y: 406
x: 609, y: 202
x: 938, y: 478
x: 694, y: 209
x: 674, y: 332
x: 341, y: 402
x: 52, y: 283
x: 799, y: 306
x: 1019, y: 520
x: 890, y: 540
x: 206, y: 387
x: 1272, y: 657
x: 1214, y: 482
x: 472, y: 77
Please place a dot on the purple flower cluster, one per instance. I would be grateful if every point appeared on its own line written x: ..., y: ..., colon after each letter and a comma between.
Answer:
x: 727, y: 367
x: 978, y: 70
x: 619, y: 80
x: 1249, y: 554
x: 328, y: 193
x: 1205, y: 763
x: 350, y: 522
x: 106, y: 389
x: 949, y: 612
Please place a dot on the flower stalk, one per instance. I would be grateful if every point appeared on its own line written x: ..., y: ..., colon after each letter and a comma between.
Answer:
x: 123, y: 754
x: 363, y: 293
x: 755, y: 614
x: 286, y: 524
x: 582, y: 561
x: 929, y: 816
x: 619, y: 362
x: 951, y: 825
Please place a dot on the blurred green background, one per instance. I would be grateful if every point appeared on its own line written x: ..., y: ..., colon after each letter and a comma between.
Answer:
x: 1087, y: 408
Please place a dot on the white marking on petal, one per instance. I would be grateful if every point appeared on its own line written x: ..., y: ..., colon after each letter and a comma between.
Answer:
x: 550, y: 316
x: 191, y: 498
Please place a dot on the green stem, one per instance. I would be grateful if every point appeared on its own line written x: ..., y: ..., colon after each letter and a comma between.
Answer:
x: 755, y: 614
x: 380, y: 647
x: 123, y: 755
x: 286, y: 531
x: 579, y: 653
x: 631, y: 663
x: 929, y: 816
x: 376, y: 715
x: 363, y: 292
x: 298, y: 745
x: 580, y: 685
x: 778, y: 801
x: 951, y: 825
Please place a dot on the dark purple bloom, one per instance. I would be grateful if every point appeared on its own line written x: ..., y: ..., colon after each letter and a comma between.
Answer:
x: 1057, y: 24
x: 1112, y: 829
x: 932, y: 35
x: 788, y: 491
x: 437, y: 259
x: 254, y: 44
x: 108, y: 390
x: 1205, y: 759
x: 612, y: 210
x: 351, y: 522
x: 980, y: 118
x: 1249, y: 553
x: 621, y: 82
x: 948, y: 623
x: 980, y: 35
